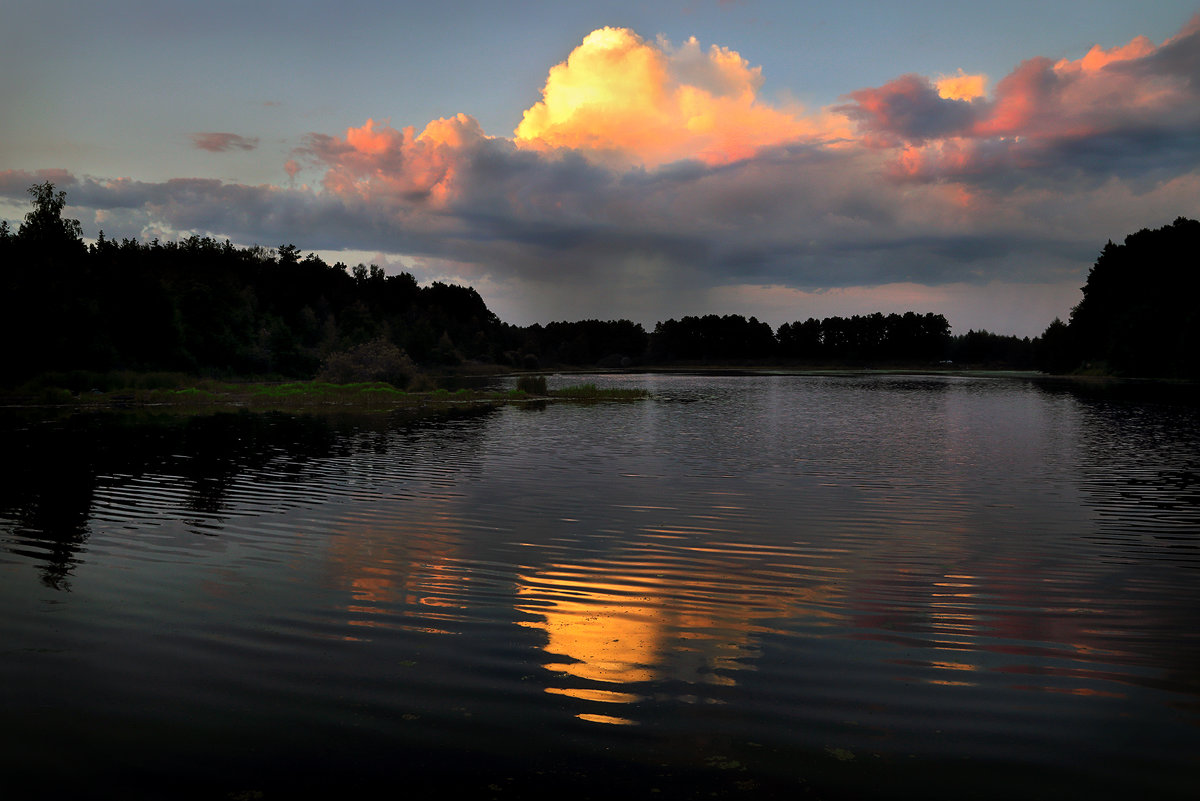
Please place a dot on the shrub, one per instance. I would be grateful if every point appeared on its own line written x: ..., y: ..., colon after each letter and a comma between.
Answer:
x: 378, y: 360
x: 532, y: 384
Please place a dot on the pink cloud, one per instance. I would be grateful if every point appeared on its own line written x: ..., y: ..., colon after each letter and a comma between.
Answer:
x: 1044, y: 113
x: 1115, y: 104
x: 376, y: 161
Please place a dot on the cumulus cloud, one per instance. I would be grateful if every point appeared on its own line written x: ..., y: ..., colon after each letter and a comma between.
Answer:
x: 652, y: 180
x: 632, y: 101
x: 220, y: 142
x: 378, y: 160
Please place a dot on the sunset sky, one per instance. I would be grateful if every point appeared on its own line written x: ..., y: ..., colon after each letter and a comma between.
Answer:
x: 639, y: 160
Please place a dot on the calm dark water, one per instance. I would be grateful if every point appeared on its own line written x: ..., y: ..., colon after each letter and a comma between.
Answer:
x: 784, y: 586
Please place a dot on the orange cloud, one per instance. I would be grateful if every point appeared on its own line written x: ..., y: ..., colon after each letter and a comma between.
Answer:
x: 961, y: 86
x: 369, y: 140
x: 621, y: 98
x: 1098, y: 57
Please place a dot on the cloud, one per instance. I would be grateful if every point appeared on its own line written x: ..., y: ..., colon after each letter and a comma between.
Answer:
x: 621, y: 98
x: 376, y: 162
x: 961, y: 86
x: 222, y: 142
x: 653, y: 180
x: 911, y: 109
x: 15, y: 183
x: 1131, y: 110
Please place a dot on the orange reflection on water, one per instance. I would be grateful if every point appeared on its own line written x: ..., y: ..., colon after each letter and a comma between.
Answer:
x: 607, y: 637
x: 956, y: 666
x: 388, y: 570
x: 1086, y: 692
x: 591, y: 694
x: 609, y: 719
x: 647, y: 622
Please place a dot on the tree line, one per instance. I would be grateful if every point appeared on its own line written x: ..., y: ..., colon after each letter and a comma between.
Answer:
x: 1139, y: 314
x: 203, y: 306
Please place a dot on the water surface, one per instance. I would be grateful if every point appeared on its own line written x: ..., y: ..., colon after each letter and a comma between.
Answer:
x: 771, y: 586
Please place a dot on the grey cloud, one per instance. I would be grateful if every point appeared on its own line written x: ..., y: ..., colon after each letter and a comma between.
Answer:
x: 215, y: 142
x: 14, y: 184
x: 1178, y: 56
x: 910, y: 109
x: 799, y: 217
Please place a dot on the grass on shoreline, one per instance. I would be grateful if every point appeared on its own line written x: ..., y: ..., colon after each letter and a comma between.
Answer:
x: 294, y: 395
x: 592, y: 392
x: 177, y: 392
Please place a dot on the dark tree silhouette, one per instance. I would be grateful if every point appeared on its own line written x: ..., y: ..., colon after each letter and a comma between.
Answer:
x: 908, y: 337
x: 1055, y: 350
x: 204, y: 306
x: 988, y: 350
x: 712, y: 339
x: 1138, y: 315
x: 606, y: 343
x: 208, y: 307
x: 44, y: 227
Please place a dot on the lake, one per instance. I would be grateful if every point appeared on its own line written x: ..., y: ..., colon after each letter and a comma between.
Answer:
x: 742, y: 587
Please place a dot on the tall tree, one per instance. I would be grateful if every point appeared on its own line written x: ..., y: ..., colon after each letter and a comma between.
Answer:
x: 44, y: 226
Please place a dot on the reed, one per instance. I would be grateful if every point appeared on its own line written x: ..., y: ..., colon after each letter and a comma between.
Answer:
x: 532, y: 384
x: 592, y: 392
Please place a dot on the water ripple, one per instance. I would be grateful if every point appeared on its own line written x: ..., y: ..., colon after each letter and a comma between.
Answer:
x: 829, y: 568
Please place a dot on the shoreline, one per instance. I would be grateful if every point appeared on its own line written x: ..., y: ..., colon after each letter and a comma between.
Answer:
x: 191, y: 394
x: 297, y: 396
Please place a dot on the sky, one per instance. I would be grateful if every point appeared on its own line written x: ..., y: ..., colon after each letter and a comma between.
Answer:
x: 782, y: 159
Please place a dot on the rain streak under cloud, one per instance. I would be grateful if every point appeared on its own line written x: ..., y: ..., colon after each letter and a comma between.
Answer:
x: 653, y: 179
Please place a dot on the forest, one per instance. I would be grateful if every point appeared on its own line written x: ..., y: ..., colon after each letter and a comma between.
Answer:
x: 204, y: 307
